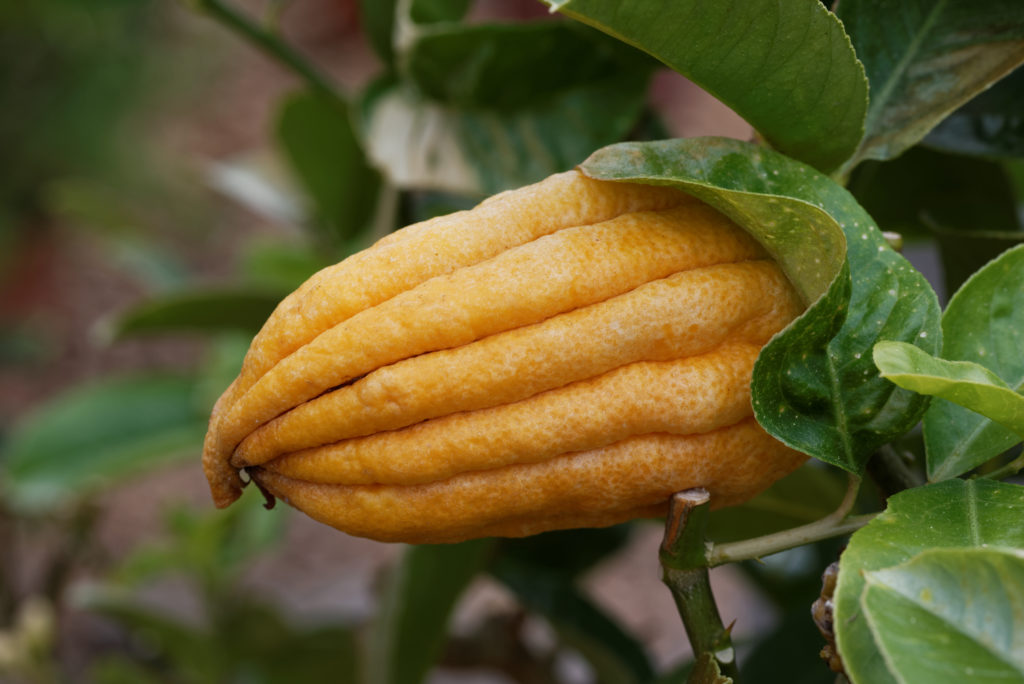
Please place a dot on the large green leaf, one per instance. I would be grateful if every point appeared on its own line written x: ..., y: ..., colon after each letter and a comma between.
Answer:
x: 991, y: 124
x: 815, y: 386
x: 97, y: 434
x: 983, y: 324
x: 786, y: 67
x: 925, y: 58
x: 954, y: 514
x: 205, y: 311
x: 328, y: 159
x: 418, y: 598
x: 486, y: 108
x: 950, y: 615
x: 963, y: 383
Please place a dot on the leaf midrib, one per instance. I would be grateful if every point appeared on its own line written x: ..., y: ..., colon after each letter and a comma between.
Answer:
x: 876, y: 106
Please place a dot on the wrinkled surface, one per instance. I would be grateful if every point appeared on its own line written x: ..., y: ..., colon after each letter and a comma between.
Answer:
x: 567, y: 354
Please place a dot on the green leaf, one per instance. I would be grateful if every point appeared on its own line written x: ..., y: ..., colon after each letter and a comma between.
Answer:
x: 924, y: 59
x: 97, y: 434
x: 203, y: 311
x: 983, y: 324
x: 787, y: 68
x: 514, y: 66
x: 806, y: 495
x: 419, y: 596
x: 990, y: 125
x: 950, y: 615
x: 814, y: 387
x: 492, y: 107
x: 429, y: 11
x: 967, y: 204
x: 616, y: 657
x: 378, y: 18
x: 569, y: 552
x: 328, y: 159
x: 964, y: 383
x: 954, y: 514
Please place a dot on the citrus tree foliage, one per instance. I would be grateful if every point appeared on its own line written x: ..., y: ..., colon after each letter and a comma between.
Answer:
x: 869, y: 118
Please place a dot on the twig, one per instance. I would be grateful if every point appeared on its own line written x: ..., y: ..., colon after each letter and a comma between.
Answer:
x: 270, y: 44
x: 685, y: 572
x: 834, y: 524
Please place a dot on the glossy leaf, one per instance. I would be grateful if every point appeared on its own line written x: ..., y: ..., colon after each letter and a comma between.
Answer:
x: 950, y: 615
x: 328, y: 159
x: 815, y: 386
x: 964, y: 383
x: 418, y: 599
x: 954, y: 514
x: 787, y: 68
x: 615, y: 655
x: 983, y: 324
x: 98, y: 434
x: 990, y: 125
x: 202, y: 311
x: 924, y: 59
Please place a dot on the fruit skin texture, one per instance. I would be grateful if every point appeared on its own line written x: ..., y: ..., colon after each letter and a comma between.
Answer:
x: 567, y: 354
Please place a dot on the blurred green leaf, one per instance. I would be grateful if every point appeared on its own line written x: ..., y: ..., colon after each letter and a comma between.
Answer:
x: 279, y: 266
x: 209, y: 547
x: 378, y: 17
x: 72, y: 70
x: 950, y: 615
x: 327, y: 157
x: 419, y: 596
x: 507, y: 67
x: 814, y: 387
x: 954, y: 514
x: 198, y: 311
x: 787, y: 68
x: 569, y: 552
x: 617, y: 658
x: 924, y: 188
x: 485, y: 108
x: 990, y: 125
x: 983, y: 324
x: 806, y: 495
x: 964, y: 383
x: 241, y: 641
x: 924, y: 59
x: 968, y: 204
x: 428, y: 146
x: 428, y: 11
x: 98, y: 434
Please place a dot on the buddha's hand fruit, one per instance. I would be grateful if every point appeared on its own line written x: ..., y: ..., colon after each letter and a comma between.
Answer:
x: 564, y: 355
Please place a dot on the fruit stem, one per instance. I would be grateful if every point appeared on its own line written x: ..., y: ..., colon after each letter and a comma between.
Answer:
x: 834, y: 524
x: 270, y: 44
x: 684, y: 565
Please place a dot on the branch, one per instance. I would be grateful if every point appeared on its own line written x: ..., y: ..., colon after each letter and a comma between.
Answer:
x: 685, y: 571
x: 832, y: 525
x: 270, y: 44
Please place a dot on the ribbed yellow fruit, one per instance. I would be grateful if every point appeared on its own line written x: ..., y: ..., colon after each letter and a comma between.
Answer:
x: 563, y: 355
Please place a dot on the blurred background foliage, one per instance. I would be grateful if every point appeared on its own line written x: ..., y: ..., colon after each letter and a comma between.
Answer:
x: 165, y: 185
